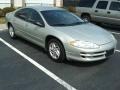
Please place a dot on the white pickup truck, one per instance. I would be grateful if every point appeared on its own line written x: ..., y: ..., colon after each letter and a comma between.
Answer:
x: 102, y: 11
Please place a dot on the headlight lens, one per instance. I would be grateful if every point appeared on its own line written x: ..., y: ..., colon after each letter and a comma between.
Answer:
x: 84, y: 44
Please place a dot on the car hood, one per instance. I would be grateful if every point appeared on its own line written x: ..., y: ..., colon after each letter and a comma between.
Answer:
x: 87, y: 32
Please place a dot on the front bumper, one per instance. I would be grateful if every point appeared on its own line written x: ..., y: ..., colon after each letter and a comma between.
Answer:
x: 87, y: 55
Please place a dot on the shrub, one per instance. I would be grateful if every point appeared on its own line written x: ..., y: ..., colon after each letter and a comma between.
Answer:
x: 1, y: 13
x: 7, y: 10
x: 18, y: 7
x: 71, y: 9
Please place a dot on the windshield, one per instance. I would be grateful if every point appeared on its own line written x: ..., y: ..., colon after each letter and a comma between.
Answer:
x: 61, y: 18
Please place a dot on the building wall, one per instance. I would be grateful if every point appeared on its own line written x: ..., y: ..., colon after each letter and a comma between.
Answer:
x: 4, y: 3
x: 20, y: 3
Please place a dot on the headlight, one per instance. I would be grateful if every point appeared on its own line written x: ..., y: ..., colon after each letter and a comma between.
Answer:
x: 113, y: 37
x: 84, y: 44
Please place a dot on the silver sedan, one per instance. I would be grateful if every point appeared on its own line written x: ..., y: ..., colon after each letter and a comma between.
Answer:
x: 62, y: 34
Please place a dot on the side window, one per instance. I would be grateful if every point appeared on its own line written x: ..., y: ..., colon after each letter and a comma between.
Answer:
x: 35, y: 17
x: 22, y: 14
x: 115, y: 6
x: 86, y: 3
x: 102, y: 4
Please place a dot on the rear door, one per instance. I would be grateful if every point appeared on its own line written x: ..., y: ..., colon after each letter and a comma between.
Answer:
x: 19, y: 21
x: 113, y: 12
x: 100, y: 10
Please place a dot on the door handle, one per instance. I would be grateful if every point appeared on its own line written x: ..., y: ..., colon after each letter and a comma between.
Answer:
x: 108, y: 12
x: 96, y: 10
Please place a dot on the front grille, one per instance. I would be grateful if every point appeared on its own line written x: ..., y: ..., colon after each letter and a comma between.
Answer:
x: 92, y: 54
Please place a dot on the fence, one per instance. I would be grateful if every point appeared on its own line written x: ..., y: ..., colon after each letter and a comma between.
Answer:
x: 26, y: 3
x: 42, y: 4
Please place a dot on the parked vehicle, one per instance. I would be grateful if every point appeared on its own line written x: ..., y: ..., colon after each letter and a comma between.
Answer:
x: 62, y: 34
x: 102, y: 11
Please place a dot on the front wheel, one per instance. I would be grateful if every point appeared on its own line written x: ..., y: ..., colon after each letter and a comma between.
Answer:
x: 56, y: 50
x: 11, y: 32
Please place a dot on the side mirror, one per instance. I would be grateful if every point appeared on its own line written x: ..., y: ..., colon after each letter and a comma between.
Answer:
x: 22, y: 16
x: 39, y: 24
x: 36, y: 22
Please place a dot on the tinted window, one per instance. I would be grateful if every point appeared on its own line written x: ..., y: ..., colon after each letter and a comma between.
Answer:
x: 86, y: 3
x: 60, y: 18
x: 22, y: 14
x: 102, y: 4
x: 35, y: 17
x: 115, y: 6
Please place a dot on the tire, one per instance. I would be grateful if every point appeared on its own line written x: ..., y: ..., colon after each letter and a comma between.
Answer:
x: 11, y: 32
x: 99, y: 23
x: 56, y: 50
x: 86, y: 18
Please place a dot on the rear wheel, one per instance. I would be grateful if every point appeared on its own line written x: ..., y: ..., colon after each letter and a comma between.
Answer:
x: 86, y: 18
x: 56, y: 50
x: 11, y: 31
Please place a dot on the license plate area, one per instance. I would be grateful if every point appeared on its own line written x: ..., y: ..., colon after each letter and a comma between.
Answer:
x: 109, y: 52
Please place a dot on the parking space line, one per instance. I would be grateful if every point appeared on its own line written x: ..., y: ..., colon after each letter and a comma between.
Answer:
x: 46, y: 71
x: 117, y: 51
x: 115, y: 33
x: 3, y: 29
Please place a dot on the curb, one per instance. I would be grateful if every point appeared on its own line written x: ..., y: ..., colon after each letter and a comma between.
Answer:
x: 3, y: 29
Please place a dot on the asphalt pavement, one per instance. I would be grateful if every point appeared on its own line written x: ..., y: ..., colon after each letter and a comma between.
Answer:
x: 17, y: 73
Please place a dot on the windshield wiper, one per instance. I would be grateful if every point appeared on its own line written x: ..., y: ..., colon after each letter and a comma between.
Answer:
x: 71, y: 24
x: 78, y: 23
x: 60, y: 24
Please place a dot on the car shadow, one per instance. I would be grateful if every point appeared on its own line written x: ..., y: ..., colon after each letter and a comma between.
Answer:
x: 32, y: 45
x: 84, y: 64
x: 110, y: 27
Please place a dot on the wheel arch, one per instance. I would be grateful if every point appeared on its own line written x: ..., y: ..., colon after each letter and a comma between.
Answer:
x: 85, y: 13
x: 63, y: 56
x: 8, y: 24
x: 49, y: 37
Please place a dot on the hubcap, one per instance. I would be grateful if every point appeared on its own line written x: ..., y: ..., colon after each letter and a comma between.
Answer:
x: 86, y: 19
x: 11, y: 31
x: 54, y: 50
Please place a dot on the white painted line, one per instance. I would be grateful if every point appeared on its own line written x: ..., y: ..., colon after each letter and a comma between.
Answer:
x: 3, y: 29
x: 117, y: 51
x: 115, y: 33
x: 46, y: 71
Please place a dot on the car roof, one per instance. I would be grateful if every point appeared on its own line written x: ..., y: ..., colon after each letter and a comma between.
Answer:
x: 44, y: 8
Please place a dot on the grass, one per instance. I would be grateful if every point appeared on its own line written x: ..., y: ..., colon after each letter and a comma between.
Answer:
x: 2, y: 20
